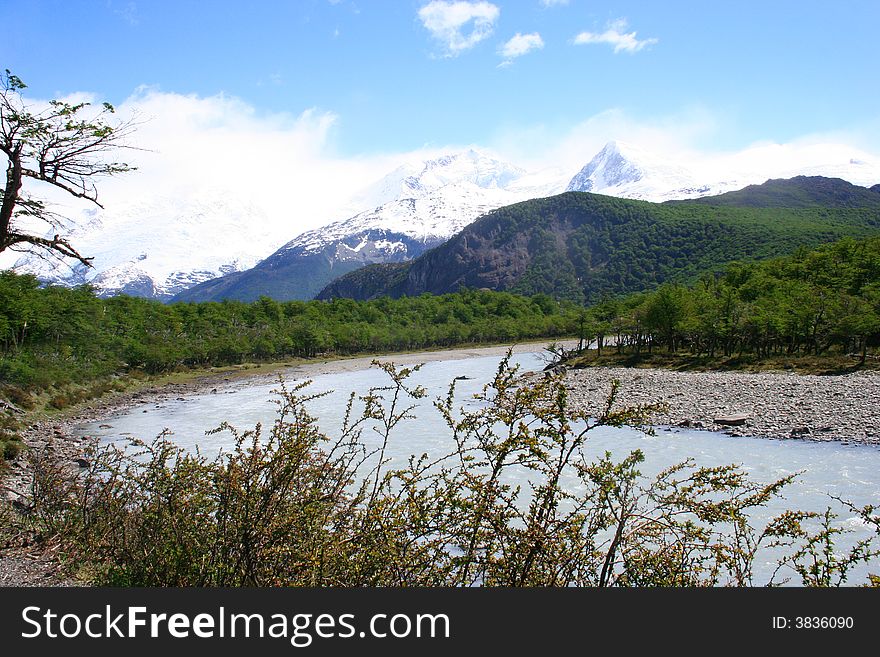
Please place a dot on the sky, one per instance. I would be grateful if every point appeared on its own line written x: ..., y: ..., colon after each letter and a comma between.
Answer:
x: 331, y: 90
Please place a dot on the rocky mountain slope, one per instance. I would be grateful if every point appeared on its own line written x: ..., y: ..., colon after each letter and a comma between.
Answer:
x: 581, y: 246
x: 423, y: 205
x: 214, y: 245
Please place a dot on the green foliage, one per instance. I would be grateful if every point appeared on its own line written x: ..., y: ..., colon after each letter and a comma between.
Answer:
x: 812, y: 302
x: 295, y: 506
x: 585, y: 247
x: 10, y: 447
x: 53, y: 337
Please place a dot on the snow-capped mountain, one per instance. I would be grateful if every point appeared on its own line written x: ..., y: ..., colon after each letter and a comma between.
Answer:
x: 423, y: 204
x: 161, y: 246
x: 215, y: 244
x: 423, y: 178
x: 429, y: 201
x: 626, y: 171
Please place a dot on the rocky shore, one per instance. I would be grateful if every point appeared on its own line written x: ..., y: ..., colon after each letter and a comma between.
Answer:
x: 56, y: 438
x: 766, y: 404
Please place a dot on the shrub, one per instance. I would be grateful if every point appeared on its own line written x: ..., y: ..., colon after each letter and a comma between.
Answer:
x: 11, y: 447
x: 18, y: 396
x: 60, y: 401
x: 293, y: 506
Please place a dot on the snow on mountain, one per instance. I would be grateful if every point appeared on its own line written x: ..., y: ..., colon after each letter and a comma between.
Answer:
x: 855, y: 168
x: 623, y: 170
x: 433, y: 200
x: 626, y: 171
x: 423, y: 178
x: 422, y: 204
x: 160, y: 246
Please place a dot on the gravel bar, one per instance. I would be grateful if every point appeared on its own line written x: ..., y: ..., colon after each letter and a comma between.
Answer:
x: 767, y: 404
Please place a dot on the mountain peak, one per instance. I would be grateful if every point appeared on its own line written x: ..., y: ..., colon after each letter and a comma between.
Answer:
x: 419, y: 179
x: 610, y: 167
x: 615, y: 146
x: 621, y: 169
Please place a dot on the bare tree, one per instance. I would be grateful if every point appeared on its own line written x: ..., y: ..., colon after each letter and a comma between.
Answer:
x: 62, y: 144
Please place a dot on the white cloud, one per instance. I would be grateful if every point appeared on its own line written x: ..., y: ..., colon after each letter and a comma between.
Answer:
x: 217, y: 147
x: 459, y: 26
x: 686, y: 138
x: 554, y: 3
x: 572, y: 146
x: 808, y: 155
x: 127, y: 12
x: 282, y: 163
x: 519, y: 45
x: 615, y: 36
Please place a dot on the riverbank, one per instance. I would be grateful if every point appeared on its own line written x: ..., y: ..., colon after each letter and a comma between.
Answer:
x: 768, y: 404
x: 25, y: 561
x: 778, y: 405
x: 54, y: 434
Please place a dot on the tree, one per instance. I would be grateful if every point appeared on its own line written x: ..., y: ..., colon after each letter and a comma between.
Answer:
x: 665, y: 312
x: 64, y: 145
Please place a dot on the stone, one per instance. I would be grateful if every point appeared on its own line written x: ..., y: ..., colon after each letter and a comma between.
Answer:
x: 732, y: 420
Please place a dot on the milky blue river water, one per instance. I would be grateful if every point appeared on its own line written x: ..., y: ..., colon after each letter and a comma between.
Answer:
x: 849, y: 471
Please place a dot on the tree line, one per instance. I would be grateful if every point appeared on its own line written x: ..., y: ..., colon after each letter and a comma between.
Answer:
x: 811, y: 302
x: 55, y: 335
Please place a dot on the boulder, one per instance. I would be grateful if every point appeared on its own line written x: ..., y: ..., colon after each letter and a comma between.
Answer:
x: 736, y: 420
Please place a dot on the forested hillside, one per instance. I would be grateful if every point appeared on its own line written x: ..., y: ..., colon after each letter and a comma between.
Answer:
x: 583, y: 247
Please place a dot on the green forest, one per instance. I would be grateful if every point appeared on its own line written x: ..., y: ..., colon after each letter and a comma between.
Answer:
x: 583, y: 247
x: 812, y: 302
x: 54, y: 335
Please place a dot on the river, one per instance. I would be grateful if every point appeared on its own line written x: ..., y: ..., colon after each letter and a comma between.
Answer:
x: 849, y: 471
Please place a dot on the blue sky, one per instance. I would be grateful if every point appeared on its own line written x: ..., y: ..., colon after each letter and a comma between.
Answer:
x: 295, y: 107
x: 402, y: 75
